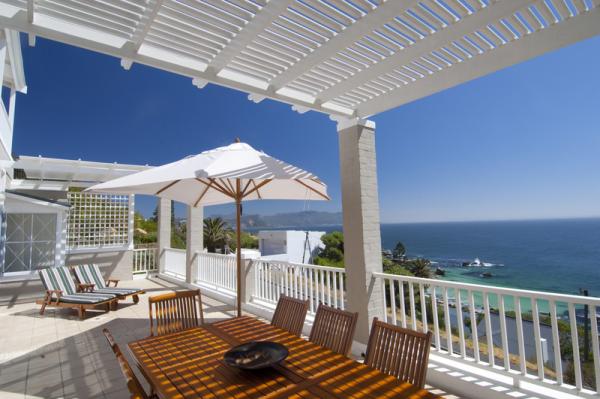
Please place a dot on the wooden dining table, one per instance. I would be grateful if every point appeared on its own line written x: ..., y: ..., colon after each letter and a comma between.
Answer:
x: 189, y: 364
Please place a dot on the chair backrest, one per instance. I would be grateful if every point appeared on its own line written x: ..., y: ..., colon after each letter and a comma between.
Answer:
x: 90, y: 274
x: 133, y: 384
x: 175, y: 311
x: 111, y: 341
x: 58, y: 278
x: 333, y: 329
x: 290, y: 314
x: 398, y: 351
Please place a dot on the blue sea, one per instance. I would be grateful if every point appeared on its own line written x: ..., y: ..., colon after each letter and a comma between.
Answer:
x: 547, y: 255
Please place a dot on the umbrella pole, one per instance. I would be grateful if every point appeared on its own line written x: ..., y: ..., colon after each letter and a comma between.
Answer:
x: 238, y: 206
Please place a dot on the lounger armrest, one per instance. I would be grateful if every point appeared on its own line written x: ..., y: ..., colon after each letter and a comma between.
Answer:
x: 85, y: 287
x: 50, y: 293
x: 112, y: 280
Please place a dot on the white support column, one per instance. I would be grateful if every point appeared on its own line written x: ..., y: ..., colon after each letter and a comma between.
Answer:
x: 194, y: 241
x: 362, y: 237
x: 164, y: 231
x: 131, y: 221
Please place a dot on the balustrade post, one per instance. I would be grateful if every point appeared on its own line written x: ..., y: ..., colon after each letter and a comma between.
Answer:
x: 248, y: 279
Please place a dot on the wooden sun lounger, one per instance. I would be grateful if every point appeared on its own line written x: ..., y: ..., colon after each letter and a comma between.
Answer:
x: 91, y: 280
x: 61, y: 292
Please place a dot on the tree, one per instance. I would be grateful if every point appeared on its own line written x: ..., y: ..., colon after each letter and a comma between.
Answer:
x: 248, y: 241
x: 216, y: 233
x: 333, y: 252
x: 399, y: 250
x: 419, y: 268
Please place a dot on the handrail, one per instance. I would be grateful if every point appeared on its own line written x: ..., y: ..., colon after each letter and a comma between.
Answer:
x: 499, y: 344
x: 586, y: 300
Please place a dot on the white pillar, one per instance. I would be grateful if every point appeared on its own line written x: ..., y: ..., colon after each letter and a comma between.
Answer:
x: 362, y: 237
x: 130, y: 221
x: 194, y: 241
x: 164, y: 231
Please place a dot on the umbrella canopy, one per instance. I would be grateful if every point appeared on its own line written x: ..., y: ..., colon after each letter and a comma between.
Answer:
x: 233, y: 173
x: 210, y: 178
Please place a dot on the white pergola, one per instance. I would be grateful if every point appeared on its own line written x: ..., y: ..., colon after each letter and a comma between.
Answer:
x: 352, y: 58
x: 347, y: 58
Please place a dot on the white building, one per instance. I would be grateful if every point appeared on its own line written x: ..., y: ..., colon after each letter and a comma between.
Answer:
x: 41, y: 203
x: 293, y: 246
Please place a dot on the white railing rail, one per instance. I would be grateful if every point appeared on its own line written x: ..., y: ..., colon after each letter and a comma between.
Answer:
x: 317, y: 284
x: 217, y: 271
x: 519, y: 332
x: 175, y: 261
x: 145, y: 260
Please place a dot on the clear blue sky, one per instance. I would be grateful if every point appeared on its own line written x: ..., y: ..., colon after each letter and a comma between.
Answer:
x: 521, y: 143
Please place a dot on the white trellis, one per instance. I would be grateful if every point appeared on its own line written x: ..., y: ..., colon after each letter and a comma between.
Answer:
x: 98, y: 220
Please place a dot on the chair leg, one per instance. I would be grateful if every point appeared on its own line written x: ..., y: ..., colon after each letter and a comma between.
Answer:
x: 136, y: 298
x: 43, y: 309
x: 81, y: 311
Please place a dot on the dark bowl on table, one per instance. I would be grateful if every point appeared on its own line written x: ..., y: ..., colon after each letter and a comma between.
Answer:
x: 255, y: 355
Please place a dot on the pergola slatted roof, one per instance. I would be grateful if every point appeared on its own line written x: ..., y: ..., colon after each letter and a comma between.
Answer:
x: 343, y: 57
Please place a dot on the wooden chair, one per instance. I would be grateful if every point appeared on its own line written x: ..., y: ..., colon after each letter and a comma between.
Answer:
x: 333, y: 329
x: 133, y: 384
x: 290, y: 314
x: 175, y: 311
x: 398, y: 351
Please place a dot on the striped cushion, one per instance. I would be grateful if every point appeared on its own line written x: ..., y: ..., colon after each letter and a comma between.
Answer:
x: 86, y: 298
x: 118, y: 291
x: 90, y: 274
x: 58, y: 279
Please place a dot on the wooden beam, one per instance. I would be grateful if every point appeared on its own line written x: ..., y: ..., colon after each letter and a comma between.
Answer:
x: 313, y: 190
x: 223, y: 189
x: 167, y: 186
x: 207, y: 187
x: 249, y: 32
x: 257, y: 187
x: 217, y: 187
x: 467, y: 25
x: 346, y: 38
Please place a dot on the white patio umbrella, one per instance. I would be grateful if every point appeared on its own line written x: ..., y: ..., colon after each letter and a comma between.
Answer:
x: 233, y: 173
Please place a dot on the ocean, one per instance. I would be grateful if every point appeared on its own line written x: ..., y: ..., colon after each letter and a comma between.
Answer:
x: 547, y: 255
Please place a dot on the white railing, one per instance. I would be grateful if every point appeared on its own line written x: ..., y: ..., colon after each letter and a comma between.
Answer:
x: 529, y: 335
x: 216, y: 271
x: 175, y: 261
x: 317, y: 284
x: 145, y: 260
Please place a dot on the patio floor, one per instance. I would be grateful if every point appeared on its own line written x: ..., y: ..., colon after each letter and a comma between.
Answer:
x: 59, y: 356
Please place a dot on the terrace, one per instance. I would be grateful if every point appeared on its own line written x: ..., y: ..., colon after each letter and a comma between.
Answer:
x: 348, y: 59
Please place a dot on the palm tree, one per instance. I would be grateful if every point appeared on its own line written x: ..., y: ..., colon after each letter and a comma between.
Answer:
x: 216, y: 233
x: 399, y: 251
x: 420, y: 268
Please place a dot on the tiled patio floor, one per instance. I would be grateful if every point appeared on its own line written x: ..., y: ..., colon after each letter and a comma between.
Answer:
x: 59, y: 356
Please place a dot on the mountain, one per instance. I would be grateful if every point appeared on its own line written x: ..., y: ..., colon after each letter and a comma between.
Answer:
x: 291, y: 219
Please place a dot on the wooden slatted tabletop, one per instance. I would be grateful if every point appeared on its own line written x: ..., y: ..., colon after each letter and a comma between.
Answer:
x: 189, y: 364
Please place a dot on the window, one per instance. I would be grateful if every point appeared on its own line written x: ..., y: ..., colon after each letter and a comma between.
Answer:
x: 30, y: 242
x: 98, y: 220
